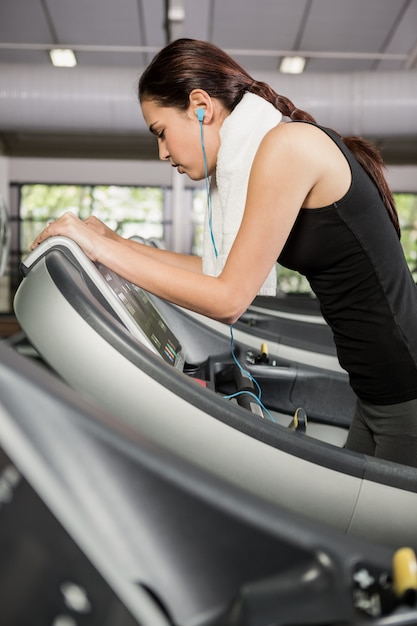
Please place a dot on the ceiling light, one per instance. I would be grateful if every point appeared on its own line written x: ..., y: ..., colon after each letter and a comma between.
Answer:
x: 62, y: 57
x: 292, y: 65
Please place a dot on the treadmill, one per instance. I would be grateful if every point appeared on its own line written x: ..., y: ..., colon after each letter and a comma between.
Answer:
x: 169, y: 376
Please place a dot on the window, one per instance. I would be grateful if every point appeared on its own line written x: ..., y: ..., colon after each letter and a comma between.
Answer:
x: 127, y: 210
x: 407, y: 212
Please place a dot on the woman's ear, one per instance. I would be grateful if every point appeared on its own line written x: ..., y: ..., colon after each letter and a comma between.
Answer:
x: 201, y: 105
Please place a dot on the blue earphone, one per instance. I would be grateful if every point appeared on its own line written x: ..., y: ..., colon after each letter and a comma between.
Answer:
x: 200, y: 114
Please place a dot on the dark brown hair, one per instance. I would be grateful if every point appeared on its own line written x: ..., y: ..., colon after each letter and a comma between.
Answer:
x: 187, y: 64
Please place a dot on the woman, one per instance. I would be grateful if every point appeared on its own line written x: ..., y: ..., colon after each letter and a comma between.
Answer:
x: 284, y: 189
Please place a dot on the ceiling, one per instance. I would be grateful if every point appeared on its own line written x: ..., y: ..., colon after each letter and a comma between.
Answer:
x: 338, y: 37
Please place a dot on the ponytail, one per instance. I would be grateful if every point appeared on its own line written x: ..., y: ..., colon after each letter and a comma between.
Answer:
x: 371, y: 160
x: 283, y: 104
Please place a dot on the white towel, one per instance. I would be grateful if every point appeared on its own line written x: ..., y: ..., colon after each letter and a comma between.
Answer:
x: 240, y: 136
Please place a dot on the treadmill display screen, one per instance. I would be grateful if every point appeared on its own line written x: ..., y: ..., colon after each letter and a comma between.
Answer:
x: 143, y: 311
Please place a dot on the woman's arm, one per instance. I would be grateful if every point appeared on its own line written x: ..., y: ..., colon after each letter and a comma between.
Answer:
x: 189, y: 262
x: 68, y: 223
x: 285, y: 172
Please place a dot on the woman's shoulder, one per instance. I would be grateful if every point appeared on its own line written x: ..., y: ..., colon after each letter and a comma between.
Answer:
x: 305, y: 152
x: 298, y: 139
x: 303, y: 138
x: 299, y: 130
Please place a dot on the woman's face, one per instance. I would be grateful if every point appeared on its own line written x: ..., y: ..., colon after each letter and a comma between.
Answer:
x: 179, y: 139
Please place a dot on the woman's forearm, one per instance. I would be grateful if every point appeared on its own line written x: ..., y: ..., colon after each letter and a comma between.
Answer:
x: 173, y: 277
x: 187, y: 262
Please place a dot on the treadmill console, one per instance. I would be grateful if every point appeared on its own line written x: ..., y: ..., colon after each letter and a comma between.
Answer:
x: 145, y: 314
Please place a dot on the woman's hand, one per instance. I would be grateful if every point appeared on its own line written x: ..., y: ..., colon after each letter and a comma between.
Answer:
x: 85, y: 234
x: 100, y: 228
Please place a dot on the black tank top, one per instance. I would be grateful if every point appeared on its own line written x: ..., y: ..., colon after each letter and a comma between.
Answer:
x: 351, y: 255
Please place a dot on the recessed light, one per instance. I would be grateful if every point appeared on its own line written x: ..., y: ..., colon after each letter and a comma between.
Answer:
x: 61, y: 57
x: 292, y: 65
